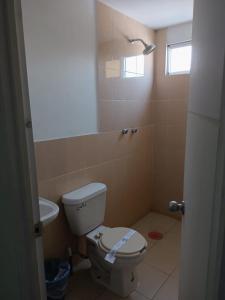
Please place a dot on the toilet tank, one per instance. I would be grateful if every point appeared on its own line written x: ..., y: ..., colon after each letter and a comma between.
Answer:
x: 85, y: 207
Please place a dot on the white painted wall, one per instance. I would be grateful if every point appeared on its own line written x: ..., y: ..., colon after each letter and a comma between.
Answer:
x: 179, y: 33
x: 60, y: 40
x: 155, y: 14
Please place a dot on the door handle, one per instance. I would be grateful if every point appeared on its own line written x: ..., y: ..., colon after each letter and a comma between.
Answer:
x: 174, y: 206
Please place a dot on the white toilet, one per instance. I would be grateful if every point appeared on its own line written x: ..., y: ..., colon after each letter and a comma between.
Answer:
x: 113, y: 252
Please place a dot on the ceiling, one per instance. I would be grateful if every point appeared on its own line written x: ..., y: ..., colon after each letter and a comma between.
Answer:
x: 155, y: 13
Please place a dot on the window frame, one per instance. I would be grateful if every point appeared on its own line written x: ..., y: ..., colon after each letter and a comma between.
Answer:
x: 172, y: 46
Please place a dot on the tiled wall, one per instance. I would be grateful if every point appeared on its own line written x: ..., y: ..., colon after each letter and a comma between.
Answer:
x: 123, y: 162
x: 123, y: 102
x: 170, y: 110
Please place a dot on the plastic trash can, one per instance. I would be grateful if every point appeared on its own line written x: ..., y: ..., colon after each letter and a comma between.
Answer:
x: 57, y: 274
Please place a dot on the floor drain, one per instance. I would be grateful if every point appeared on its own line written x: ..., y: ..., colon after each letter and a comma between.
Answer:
x: 155, y: 235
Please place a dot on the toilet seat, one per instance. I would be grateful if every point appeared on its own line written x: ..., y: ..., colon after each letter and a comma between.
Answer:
x: 133, y: 247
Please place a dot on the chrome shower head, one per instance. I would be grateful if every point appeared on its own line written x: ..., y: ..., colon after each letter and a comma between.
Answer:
x: 148, y: 48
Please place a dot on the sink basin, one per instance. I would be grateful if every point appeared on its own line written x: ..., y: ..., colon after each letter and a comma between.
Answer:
x: 48, y: 210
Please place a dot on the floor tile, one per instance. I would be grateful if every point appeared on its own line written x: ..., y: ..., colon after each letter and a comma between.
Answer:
x: 165, y: 255
x: 154, y: 222
x: 169, y: 291
x: 150, y: 280
x: 176, y: 230
x: 82, y: 287
x: 134, y: 296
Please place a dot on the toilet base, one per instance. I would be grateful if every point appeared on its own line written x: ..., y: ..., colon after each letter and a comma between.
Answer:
x: 121, y: 282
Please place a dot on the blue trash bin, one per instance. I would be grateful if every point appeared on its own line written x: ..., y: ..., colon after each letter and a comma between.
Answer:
x: 56, y: 278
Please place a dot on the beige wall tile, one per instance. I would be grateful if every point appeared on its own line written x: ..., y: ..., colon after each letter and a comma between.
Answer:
x: 57, y: 157
x: 170, y: 111
x: 116, y: 115
x: 57, y: 237
x: 167, y: 186
x: 170, y: 108
x: 54, y: 188
x: 104, y: 17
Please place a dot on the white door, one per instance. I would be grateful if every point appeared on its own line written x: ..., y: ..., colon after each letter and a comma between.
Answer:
x: 203, y: 223
x: 21, y: 257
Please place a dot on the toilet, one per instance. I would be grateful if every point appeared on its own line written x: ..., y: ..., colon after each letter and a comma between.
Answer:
x: 114, y: 252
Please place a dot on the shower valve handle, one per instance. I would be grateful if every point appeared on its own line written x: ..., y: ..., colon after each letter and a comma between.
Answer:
x: 134, y: 130
x: 125, y: 131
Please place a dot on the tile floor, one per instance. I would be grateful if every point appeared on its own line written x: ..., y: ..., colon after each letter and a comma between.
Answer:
x: 158, y: 273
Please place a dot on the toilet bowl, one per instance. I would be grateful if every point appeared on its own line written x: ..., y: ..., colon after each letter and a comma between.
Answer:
x: 120, y: 276
x: 113, y: 252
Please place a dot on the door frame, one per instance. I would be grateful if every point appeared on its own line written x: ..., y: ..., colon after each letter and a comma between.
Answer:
x: 22, y: 254
x: 217, y: 247
x: 18, y: 172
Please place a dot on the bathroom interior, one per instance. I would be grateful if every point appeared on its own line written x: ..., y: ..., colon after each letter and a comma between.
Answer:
x: 109, y: 118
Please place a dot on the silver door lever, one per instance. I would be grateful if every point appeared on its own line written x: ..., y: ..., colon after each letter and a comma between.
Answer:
x: 174, y: 206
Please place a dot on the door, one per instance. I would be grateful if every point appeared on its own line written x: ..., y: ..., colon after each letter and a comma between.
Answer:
x: 203, y: 221
x: 21, y: 258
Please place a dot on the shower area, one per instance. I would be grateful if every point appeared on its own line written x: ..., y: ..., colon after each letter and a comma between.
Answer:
x: 135, y: 92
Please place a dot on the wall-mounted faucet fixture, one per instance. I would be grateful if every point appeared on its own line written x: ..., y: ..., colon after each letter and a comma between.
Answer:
x: 125, y: 131
x: 134, y: 130
x: 148, y: 48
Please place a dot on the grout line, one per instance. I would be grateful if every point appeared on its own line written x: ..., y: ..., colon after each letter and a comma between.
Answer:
x: 160, y: 287
x: 171, y: 228
x: 147, y: 298
x: 105, y: 162
x: 157, y: 269
x: 98, y: 132
x: 154, y: 294
x: 164, y: 282
x: 203, y: 116
x: 168, y: 277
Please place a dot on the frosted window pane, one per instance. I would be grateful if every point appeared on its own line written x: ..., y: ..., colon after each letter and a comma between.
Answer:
x: 131, y: 64
x: 179, y: 59
x: 134, y: 66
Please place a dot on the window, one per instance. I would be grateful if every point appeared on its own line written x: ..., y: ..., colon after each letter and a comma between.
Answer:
x: 134, y: 66
x: 179, y: 58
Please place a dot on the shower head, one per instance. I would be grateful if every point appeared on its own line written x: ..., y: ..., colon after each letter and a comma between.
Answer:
x: 148, y: 48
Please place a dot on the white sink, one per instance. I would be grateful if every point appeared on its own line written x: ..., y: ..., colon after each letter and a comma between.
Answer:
x: 48, y: 210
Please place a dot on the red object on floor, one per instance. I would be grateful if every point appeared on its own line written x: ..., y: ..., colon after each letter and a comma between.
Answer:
x: 155, y: 235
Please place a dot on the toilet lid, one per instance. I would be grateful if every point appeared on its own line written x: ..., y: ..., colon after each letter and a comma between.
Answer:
x: 136, y: 244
